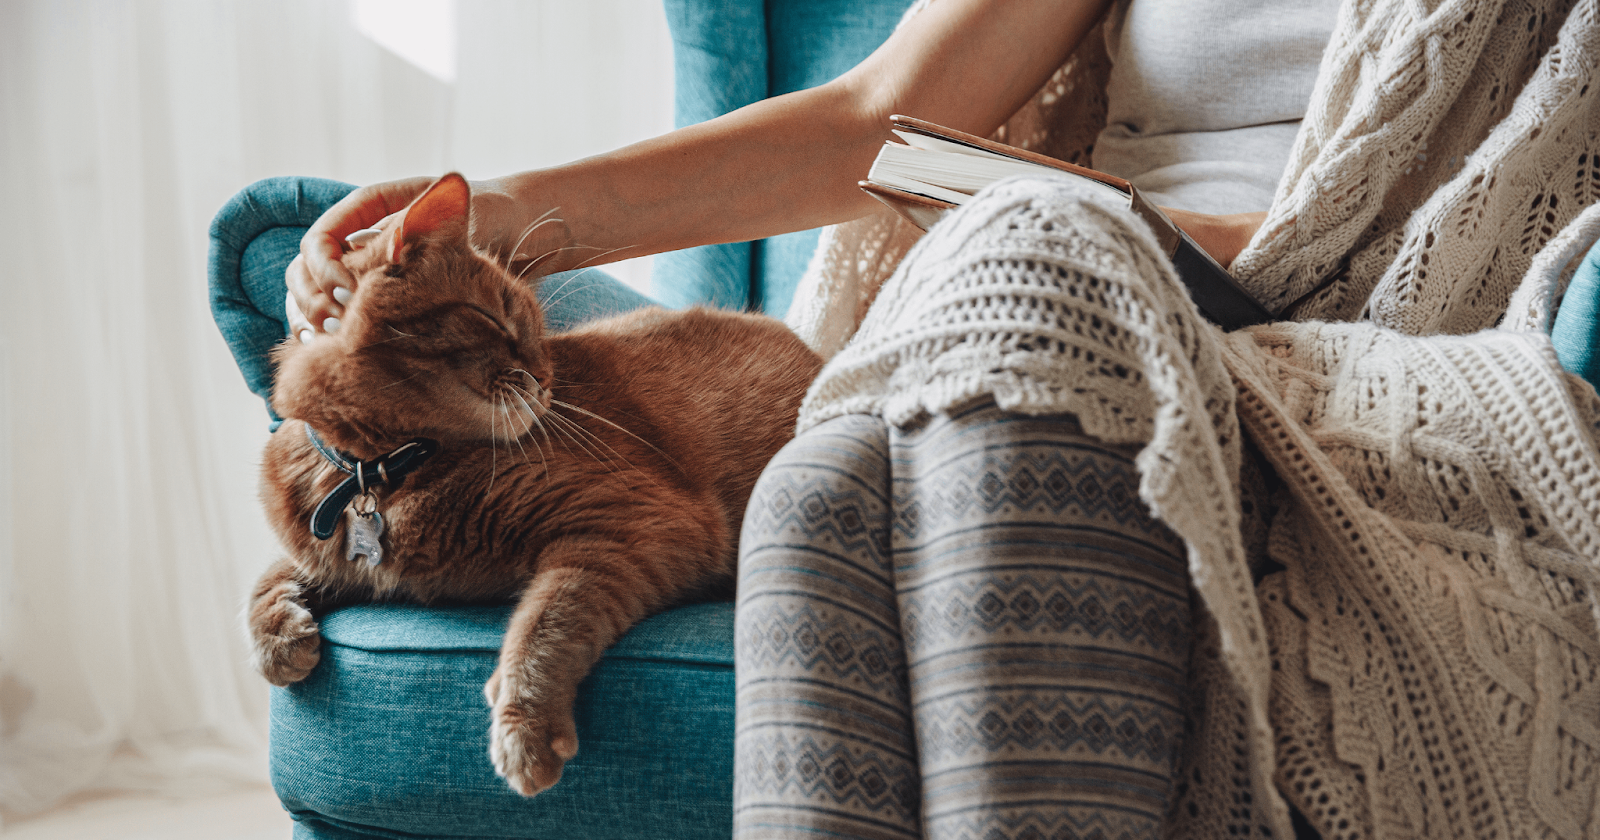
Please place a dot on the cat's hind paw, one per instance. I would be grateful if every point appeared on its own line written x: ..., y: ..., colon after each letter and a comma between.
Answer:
x: 284, y: 641
x: 529, y: 746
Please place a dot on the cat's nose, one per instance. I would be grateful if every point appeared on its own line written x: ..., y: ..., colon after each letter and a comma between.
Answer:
x: 543, y: 395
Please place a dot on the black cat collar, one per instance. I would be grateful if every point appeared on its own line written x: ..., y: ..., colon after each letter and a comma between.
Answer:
x: 384, y: 471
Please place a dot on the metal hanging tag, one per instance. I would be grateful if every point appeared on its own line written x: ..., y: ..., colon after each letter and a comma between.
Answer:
x: 364, y: 535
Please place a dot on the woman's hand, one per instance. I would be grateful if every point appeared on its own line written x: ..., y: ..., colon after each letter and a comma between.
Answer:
x: 318, y: 282
x: 1223, y: 237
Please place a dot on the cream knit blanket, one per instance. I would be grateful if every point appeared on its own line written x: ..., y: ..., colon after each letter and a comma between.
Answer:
x: 1429, y: 665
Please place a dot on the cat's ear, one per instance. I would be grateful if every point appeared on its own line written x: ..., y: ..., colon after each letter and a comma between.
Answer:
x: 441, y: 209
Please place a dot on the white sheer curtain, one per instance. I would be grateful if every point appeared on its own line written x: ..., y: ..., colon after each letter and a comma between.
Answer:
x: 129, y: 528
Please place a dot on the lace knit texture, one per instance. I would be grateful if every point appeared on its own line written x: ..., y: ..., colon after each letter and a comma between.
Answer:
x: 1438, y: 606
x: 1434, y: 673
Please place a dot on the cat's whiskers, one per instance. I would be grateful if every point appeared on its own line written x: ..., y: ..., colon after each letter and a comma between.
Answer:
x: 546, y: 218
x: 552, y: 252
x: 591, y: 445
x: 494, y: 446
x: 505, y: 409
x: 551, y: 299
x: 399, y: 381
x: 604, y: 254
x: 534, y: 263
x: 549, y: 303
x: 525, y: 396
x: 599, y: 442
x: 542, y: 430
x: 531, y: 378
x: 561, y: 437
x: 547, y: 255
x: 585, y: 264
x: 555, y: 402
x: 564, y: 426
x: 589, y: 413
x: 529, y: 420
x: 528, y: 423
x: 385, y: 340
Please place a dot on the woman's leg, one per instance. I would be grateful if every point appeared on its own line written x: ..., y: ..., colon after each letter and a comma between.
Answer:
x: 823, y: 743
x: 971, y: 628
x: 1046, y: 627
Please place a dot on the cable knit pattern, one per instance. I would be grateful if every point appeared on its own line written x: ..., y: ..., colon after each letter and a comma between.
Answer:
x: 1442, y: 555
x: 1429, y: 663
x: 1533, y: 306
x: 1446, y: 143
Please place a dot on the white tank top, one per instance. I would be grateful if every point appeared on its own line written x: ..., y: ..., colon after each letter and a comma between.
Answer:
x: 1205, y: 96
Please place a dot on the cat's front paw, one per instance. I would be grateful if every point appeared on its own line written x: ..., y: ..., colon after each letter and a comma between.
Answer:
x: 284, y: 641
x: 529, y: 743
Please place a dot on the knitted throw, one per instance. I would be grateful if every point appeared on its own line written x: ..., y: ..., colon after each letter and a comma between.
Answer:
x: 1429, y: 663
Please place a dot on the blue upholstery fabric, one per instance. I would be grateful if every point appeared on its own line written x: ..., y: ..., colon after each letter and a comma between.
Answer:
x: 257, y: 233
x: 247, y: 301
x: 729, y: 54
x: 1576, y: 332
x: 389, y: 735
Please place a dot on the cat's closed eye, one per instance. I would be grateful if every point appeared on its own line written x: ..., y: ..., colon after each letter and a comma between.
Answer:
x: 498, y: 324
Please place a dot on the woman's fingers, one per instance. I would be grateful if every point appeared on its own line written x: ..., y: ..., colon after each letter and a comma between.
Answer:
x: 315, y: 302
x: 317, y: 279
x: 299, y: 327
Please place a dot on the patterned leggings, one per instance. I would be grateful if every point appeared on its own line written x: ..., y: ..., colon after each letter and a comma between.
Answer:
x: 967, y: 629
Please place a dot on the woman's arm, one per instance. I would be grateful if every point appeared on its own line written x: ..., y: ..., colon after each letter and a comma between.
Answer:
x: 783, y: 164
x: 792, y: 162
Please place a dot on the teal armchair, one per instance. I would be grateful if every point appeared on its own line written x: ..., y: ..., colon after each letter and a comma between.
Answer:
x: 388, y: 737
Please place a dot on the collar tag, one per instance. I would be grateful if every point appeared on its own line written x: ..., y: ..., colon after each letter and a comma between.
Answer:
x: 364, y: 476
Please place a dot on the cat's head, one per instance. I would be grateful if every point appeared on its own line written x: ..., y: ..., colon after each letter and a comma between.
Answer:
x: 437, y: 341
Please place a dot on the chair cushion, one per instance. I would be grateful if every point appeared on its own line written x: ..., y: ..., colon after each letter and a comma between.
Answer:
x: 388, y: 737
x: 726, y: 55
x: 1576, y: 332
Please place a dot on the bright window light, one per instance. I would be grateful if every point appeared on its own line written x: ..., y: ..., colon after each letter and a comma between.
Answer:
x: 422, y: 32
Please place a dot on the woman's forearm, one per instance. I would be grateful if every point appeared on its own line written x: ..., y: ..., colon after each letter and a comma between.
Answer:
x: 776, y: 166
x: 788, y: 163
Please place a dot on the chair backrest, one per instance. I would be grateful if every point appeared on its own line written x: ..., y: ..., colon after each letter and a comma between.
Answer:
x: 726, y: 55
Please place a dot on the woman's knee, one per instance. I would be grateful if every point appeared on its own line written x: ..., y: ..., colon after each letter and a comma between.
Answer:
x: 821, y: 504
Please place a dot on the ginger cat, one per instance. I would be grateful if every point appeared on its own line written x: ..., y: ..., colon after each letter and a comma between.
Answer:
x: 594, y: 477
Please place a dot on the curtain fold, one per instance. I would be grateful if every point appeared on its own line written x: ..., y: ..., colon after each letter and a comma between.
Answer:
x: 129, y: 526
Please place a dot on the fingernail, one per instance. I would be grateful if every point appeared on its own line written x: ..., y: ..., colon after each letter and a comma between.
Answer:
x: 341, y: 294
x: 306, y: 336
x: 330, y: 326
x: 362, y: 237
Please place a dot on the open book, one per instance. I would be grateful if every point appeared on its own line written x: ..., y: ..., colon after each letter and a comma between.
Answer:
x: 939, y: 168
